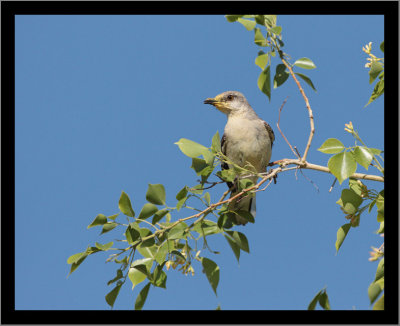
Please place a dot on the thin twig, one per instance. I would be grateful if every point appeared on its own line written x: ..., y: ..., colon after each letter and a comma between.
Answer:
x: 277, y: 124
x: 312, y: 182
x: 310, y: 113
x: 333, y: 184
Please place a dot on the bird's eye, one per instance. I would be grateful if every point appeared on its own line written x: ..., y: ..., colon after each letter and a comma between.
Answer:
x: 230, y: 97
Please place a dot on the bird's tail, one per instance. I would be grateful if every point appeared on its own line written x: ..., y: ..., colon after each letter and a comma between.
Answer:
x: 245, y: 203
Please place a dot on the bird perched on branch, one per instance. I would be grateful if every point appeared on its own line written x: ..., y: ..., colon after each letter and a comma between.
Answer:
x: 246, y: 139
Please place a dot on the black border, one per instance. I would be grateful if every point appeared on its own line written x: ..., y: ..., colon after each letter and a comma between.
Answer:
x: 8, y: 313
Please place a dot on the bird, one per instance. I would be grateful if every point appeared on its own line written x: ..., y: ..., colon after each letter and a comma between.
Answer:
x: 246, y: 139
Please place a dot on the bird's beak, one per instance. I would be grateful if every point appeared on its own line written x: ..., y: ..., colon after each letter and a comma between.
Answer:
x: 220, y: 105
x: 211, y: 101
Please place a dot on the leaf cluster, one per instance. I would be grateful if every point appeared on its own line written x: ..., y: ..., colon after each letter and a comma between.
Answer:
x: 271, y: 42
x: 322, y: 299
x: 376, y: 70
x: 358, y: 197
x: 155, y: 244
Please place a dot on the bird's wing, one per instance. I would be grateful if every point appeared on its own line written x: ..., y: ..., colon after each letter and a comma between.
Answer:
x: 270, y: 133
x: 224, y: 165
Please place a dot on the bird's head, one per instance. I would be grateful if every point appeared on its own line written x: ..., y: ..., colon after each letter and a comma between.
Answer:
x: 229, y: 102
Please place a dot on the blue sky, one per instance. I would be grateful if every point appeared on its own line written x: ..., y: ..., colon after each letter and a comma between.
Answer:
x: 100, y: 102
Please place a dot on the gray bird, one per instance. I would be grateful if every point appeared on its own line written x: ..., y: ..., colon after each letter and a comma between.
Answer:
x: 246, y: 139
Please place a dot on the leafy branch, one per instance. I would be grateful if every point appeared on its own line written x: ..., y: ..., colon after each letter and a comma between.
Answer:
x: 154, y: 247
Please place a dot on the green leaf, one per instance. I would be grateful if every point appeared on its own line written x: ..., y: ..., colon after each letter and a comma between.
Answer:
x: 182, y: 193
x: 379, y: 89
x: 75, y: 260
x: 116, y: 278
x: 245, y: 183
x: 376, y: 68
x: 142, y: 296
x: 76, y: 257
x: 156, y: 194
x: 232, y: 18
x: 305, y: 63
x: 112, y: 296
x: 380, y: 270
x: 227, y: 175
x: 382, y: 46
x: 363, y: 156
x: 281, y: 44
x: 108, y: 227
x: 177, y: 232
x: 374, y: 290
x: 197, y: 189
x: 375, y: 151
x: 113, y: 217
x: 131, y: 233
x: 307, y: 80
x: 124, y: 261
x: 371, y: 205
x: 381, y: 228
x: 147, y: 211
x: 259, y: 38
x: 125, y: 205
x: 264, y: 82
x: 342, y: 165
x: 159, y: 277
x: 235, y: 248
x: 104, y: 247
x: 207, y: 198
x: 341, y: 235
x: 259, y: 19
x: 225, y: 220
x: 144, y: 232
x: 314, y: 301
x: 380, y: 304
x: 324, y: 301
x: 161, y: 253
x: 200, y: 166
x: 159, y: 215
x: 99, y: 220
x: 148, y: 251
x: 178, y: 254
x: 240, y: 239
x: 246, y: 215
x: 262, y: 60
x: 270, y: 20
x: 206, y: 227
x: 276, y: 30
x: 211, y: 270
x: 331, y: 146
x: 350, y: 201
x: 248, y: 24
x: 281, y: 75
x: 216, y: 142
x: 136, y: 273
x: 92, y: 250
x: 355, y: 186
x: 193, y: 149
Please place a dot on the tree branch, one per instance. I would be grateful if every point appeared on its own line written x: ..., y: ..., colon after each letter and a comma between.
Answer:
x: 310, y: 113
x: 310, y: 166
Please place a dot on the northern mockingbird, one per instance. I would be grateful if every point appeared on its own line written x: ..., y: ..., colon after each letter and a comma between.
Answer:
x: 246, y: 139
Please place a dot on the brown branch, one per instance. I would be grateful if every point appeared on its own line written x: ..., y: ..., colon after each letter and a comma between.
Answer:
x: 310, y: 166
x: 277, y: 124
x: 269, y: 175
x: 310, y: 113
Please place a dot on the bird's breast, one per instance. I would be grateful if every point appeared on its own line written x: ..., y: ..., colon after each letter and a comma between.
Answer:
x: 248, y: 141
